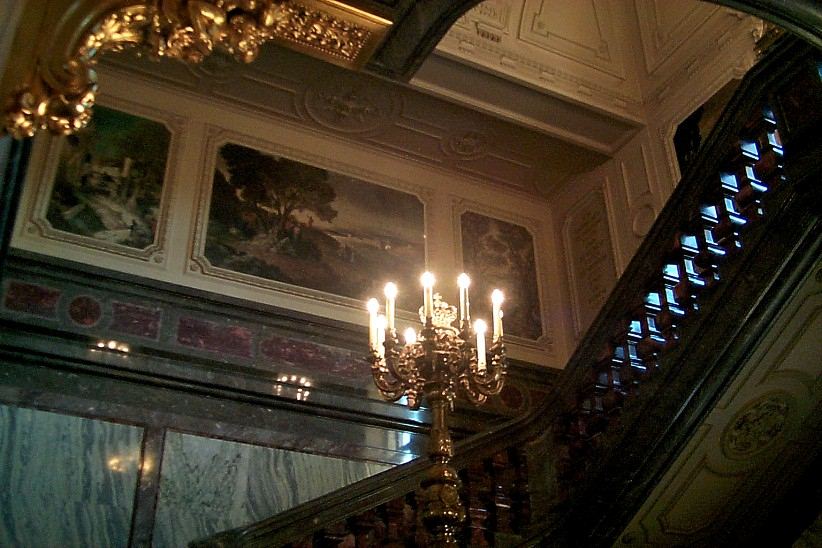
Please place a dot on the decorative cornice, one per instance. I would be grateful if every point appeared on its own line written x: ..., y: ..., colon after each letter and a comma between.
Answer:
x: 550, y: 76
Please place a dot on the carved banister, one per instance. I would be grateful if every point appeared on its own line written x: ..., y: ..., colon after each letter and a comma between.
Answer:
x: 721, y: 242
x: 754, y: 175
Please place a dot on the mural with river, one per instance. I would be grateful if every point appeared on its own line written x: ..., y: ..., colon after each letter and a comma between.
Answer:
x: 280, y: 219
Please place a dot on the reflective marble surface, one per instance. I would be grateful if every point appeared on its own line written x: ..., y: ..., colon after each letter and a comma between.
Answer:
x: 66, y: 481
x: 209, y: 485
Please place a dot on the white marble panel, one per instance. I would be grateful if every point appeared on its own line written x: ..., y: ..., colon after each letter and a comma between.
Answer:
x: 209, y: 485
x: 66, y: 481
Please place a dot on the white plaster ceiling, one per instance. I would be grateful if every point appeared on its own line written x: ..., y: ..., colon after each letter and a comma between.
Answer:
x: 580, y: 70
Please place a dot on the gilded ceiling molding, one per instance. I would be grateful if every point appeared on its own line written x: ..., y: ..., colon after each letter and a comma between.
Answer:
x: 60, y: 85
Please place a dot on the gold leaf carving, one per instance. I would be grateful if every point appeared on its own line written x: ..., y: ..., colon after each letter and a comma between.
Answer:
x: 189, y: 30
x: 316, y: 29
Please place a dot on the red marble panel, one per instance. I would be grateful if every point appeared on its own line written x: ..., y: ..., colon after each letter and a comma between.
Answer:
x: 36, y: 300
x: 215, y: 337
x: 133, y: 319
x: 85, y: 311
x: 307, y: 355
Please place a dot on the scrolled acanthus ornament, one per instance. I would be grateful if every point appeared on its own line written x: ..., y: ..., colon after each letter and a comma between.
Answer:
x: 187, y: 30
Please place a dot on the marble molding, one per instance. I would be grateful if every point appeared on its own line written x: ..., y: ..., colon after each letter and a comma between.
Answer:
x: 145, y: 322
x: 67, y: 481
x: 211, y: 485
x: 89, y: 311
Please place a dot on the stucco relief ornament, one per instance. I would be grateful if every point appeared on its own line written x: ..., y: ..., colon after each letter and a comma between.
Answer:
x: 344, y: 104
x: 756, y: 428
x: 465, y: 145
x: 188, y: 30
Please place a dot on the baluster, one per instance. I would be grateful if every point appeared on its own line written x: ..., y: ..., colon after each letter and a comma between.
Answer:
x: 367, y: 529
x: 609, y: 382
x: 477, y: 488
x: 521, y: 493
x: 419, y: 533
x: 666, y: 319
x: 395, y: 521
x: 336, y: 535
x: 503, y: 480
x: 648, y: 347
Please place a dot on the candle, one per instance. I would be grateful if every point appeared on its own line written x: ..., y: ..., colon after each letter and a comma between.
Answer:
x: 381, y: 324
x: 410, y: 336
x: 480, y: 328
x: 373, y: 308
x: 427, y: 280
x: 390, y: 302
x: 496, y: 299
x: 463, y: 281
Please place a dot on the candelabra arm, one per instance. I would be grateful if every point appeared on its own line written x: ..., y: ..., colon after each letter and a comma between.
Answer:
x: 390, y: 387
x: 478, y: 385
x: 392, y: 358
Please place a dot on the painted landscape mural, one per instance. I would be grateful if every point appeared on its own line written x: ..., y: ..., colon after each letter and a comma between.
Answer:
x: 500, y: 255
x: 283, y: 220
x: 109, y: 180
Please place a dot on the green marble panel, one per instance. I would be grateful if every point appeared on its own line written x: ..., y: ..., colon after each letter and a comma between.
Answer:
x: 66, y: 481
x: 210, y: 485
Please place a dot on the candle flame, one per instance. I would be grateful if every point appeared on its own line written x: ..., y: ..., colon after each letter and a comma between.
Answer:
x: 497, y: 297
x: 391, y: 290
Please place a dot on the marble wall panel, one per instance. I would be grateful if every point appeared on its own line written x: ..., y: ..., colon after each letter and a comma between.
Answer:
x: 209, y: 485
x: 66, y: 481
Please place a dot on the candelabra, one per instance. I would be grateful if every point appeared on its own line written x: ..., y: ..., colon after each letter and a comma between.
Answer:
x: 446, y: 358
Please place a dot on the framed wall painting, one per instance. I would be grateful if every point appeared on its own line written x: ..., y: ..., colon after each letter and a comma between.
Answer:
x: 269, y: 219
x: 501, y: 254
x: 107, y: 186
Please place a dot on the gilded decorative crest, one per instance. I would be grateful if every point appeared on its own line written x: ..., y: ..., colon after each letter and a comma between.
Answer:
x: 190, y: 31
x: 444, y: 314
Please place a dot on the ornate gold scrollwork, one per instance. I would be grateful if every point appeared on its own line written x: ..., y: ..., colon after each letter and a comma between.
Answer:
x: 66, y: 107
x: 190, y: 30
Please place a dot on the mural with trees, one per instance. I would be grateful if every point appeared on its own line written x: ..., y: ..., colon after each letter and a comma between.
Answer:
x: 499, y: 254
x: 279, y: 219
x: 109, y: 179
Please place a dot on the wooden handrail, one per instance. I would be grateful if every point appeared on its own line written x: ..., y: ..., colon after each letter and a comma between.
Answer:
x: 737, y: 178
